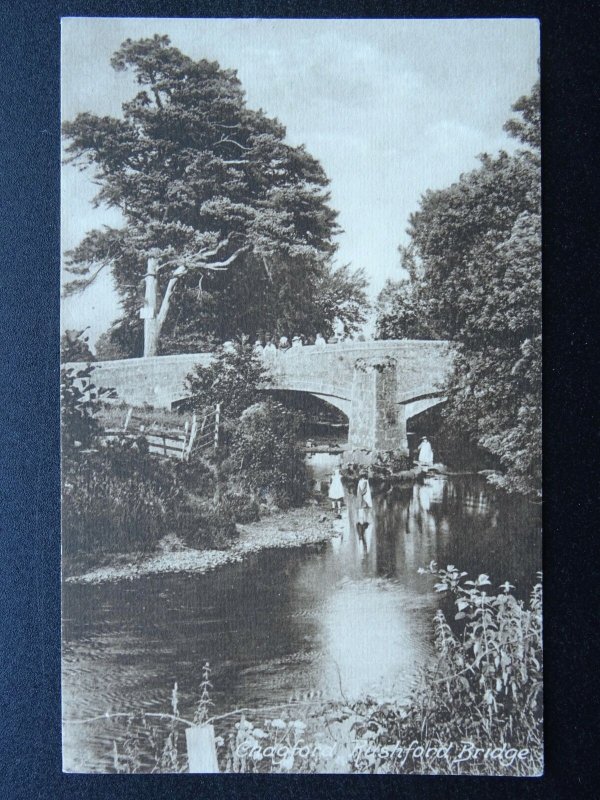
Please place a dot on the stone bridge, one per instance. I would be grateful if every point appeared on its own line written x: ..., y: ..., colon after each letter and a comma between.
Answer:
x: 378, y: 385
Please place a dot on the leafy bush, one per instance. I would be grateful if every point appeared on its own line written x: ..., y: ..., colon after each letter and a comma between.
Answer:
x: 78, y: 424
x: 196, y: 474
x: 482, y: 694
x: 207, y: 525
x: 265, y: 455
x: 74, y: 347
x: 117, y: 499
x: 233, y: 379
x: 245, y: 509
x: 259, y: 458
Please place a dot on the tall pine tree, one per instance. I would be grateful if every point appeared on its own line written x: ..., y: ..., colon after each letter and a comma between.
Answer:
x: 227, y: 228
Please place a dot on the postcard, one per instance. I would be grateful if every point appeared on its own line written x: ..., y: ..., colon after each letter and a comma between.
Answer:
x: 301, y: 396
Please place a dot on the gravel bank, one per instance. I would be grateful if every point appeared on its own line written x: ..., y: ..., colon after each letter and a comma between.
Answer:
x: 295, y: 528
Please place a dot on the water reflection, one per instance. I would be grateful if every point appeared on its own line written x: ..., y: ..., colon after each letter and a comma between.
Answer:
x: 348, y: 617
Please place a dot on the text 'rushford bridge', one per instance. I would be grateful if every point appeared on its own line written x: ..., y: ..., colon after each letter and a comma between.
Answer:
x: 378, y: 385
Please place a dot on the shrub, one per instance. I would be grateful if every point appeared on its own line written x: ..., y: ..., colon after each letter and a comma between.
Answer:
x: 245, y: 509
x: 196, y: 474
x: 117, y: 499
x: 207, y: 525
x: 484, y: 687
x: 78, y: 424
x: 264, y: 453
x: 74, y: 346
x: 233, y: 380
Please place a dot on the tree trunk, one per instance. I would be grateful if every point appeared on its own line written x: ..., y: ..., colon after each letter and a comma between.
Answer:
x: 151, y: 325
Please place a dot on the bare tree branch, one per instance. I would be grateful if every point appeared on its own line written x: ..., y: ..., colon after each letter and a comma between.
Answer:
x: 201, y: 264
x: 83, y: 283
x: 182, y: 270
x: 228, y: 140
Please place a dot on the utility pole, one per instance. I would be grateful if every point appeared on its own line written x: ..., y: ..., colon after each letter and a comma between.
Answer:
x: 148, y: 312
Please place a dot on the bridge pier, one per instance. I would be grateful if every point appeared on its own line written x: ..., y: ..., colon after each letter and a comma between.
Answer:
x: 377, y: 422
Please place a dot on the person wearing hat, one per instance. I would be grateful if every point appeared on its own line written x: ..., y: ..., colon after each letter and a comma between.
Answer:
x: 425, y: 456
x: 270, y: 351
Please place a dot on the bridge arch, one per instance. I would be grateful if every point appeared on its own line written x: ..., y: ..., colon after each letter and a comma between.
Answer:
x: 418, y: 405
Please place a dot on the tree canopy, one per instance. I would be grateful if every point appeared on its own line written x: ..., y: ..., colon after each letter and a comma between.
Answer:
x: 233, y: 379
x: 227, y: 227
x: 401, y: 309
x: 475, y: 279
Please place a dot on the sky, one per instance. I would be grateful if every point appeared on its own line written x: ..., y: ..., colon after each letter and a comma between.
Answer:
x: 391, y: 108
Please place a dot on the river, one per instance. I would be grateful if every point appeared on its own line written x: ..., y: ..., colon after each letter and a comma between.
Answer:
x: 349, y: 616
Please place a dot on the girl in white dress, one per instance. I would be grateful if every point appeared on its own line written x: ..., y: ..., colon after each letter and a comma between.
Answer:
x: 336, y: 491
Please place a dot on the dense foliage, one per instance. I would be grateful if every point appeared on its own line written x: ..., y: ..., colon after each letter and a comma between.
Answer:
x: 475, y: 279
x: 114, y: 501
x: 233, y: 379
x: 78, y: 423
x: 259, y: 456
x: 265, y: 454
x: 118, y: 498
x: 482, y: 692
x: 230, y: 224
x: 78, y: 395
x: 74, y: 347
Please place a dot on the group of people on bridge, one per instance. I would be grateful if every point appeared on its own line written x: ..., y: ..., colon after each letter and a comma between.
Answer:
x: 268, y: 344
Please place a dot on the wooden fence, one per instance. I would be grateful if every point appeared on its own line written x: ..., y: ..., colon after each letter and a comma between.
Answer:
x: 172, y: 442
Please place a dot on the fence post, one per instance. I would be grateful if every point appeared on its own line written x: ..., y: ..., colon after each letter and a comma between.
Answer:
x: 193, y: 433
x: 217, y: 418
x: 201, y: 749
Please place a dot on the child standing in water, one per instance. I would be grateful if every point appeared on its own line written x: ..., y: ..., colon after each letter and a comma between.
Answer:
x: 364, y: 502
x: 336, y: 492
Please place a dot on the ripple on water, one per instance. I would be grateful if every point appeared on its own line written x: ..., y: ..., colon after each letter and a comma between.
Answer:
x: 351, y: 616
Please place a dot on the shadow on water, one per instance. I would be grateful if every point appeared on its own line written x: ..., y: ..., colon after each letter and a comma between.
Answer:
x: 348, y: 617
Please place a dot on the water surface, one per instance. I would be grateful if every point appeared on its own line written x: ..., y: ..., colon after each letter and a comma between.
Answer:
x: 345, y: 618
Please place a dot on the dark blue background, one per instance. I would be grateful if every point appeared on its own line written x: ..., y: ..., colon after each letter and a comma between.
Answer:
x: 30, y: 760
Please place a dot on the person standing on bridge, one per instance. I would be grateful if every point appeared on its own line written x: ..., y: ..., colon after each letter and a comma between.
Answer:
x: 425, y: 456
x: 270, y: 350
x: 320, y: 341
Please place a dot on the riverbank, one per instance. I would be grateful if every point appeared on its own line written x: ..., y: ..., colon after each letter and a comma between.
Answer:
x: 309, y: 524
